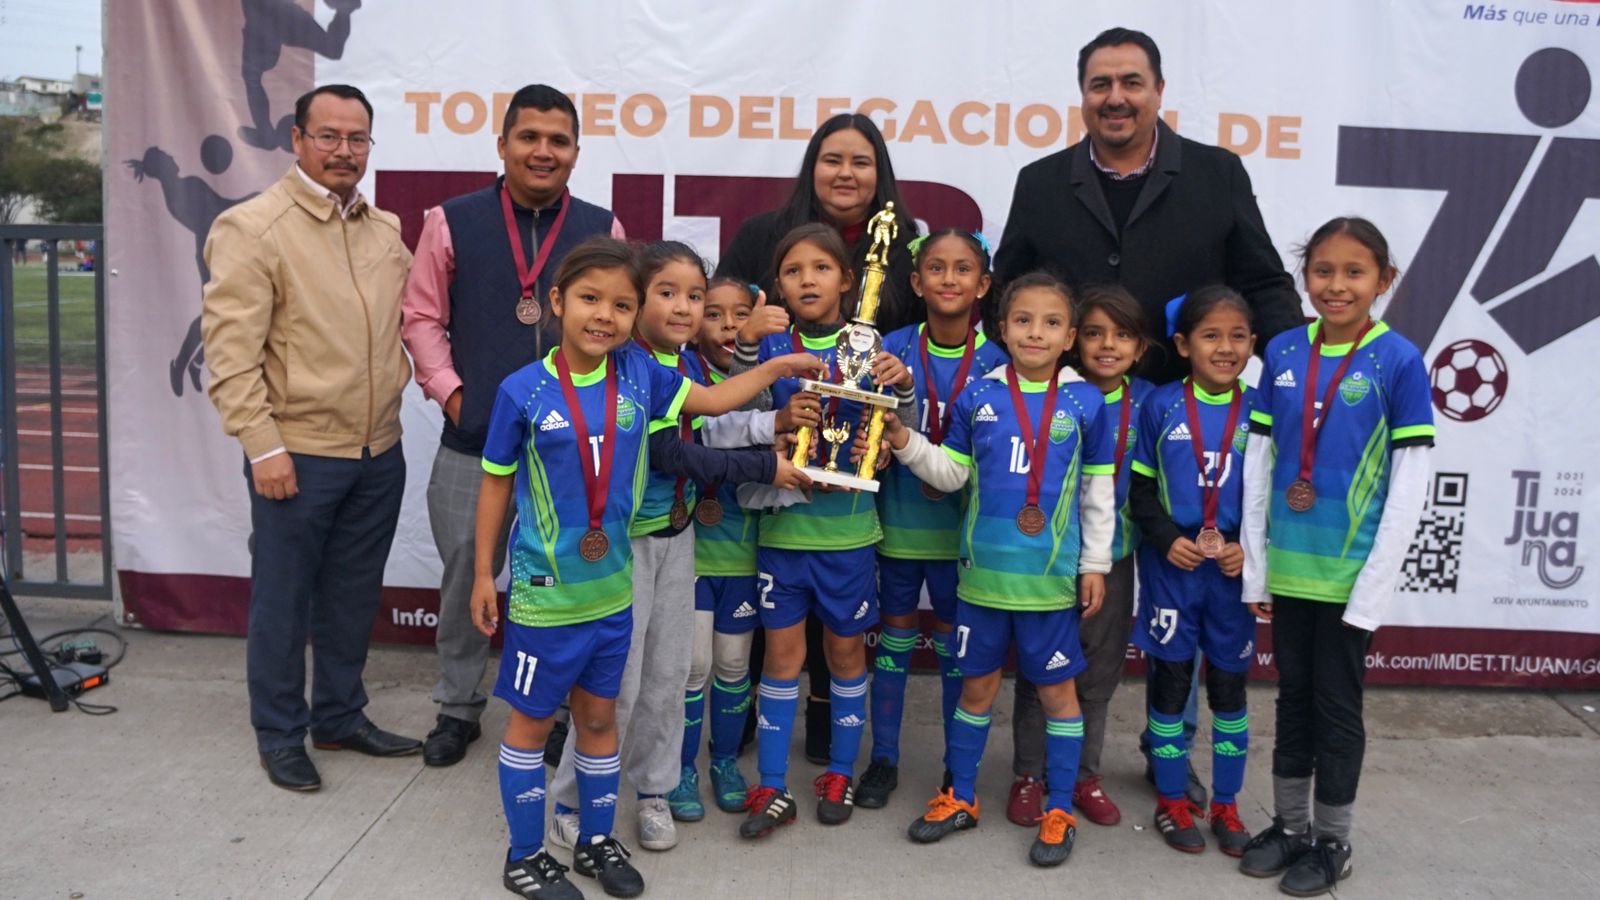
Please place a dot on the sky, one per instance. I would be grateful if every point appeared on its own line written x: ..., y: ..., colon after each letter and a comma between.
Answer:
x: 37, y: 37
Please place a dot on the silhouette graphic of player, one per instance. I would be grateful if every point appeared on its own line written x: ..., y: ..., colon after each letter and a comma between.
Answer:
x: 195, y: 205
x: 269, y: 26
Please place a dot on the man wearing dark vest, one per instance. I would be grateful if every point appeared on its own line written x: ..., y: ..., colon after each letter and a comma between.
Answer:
x: 476, y: 309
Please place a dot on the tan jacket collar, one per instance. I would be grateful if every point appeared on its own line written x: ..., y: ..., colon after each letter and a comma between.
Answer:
x: 322, y: 205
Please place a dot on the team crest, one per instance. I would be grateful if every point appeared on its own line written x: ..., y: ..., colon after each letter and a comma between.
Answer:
x: 1241, y: 436
x: 1061, y: 427
x: 626, y: 413
x: 1133, y: 439
x: 1354, y: 388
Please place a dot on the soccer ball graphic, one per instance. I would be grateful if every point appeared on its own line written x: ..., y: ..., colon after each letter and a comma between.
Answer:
x: 1469, y: 380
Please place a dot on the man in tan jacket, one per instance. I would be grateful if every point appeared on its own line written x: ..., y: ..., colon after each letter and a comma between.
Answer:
x: 301, y: 325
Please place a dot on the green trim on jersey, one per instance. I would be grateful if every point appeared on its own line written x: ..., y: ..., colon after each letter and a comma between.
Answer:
x: 1412, y: 431
x: 1379, y: 329
x: 497, y: 469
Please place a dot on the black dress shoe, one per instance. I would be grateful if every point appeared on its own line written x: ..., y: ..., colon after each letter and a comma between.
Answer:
x: 447, y: 742
x: 291, y: 768
x: 373, y: 741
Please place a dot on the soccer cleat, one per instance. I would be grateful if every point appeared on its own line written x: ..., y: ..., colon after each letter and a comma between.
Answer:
x: 1196, y: 790
x: 656, y: 831
x: 1175, y: 819
x: 1232, y: 836
x: 540, y: 877
x: 684, y: 799
x: 563, y: 829
x: 606, y: 861
x: 1057, y: 830
x: 1270, y: 852
x: 1088, y: 796
x: 877, y: 783
x: 769, y: 808
x: 836, y: 798
x: 946, y: 815
x: 1025, y: 805
x: 728, y: 785
x: 1315, y: 873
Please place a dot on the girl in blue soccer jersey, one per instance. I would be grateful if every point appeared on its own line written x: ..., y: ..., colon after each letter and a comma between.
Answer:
x: 920, y: 524
x: 815, y: 555
x: 1033, y: 439
x: 1111, y: 340
x: 1187, y: 469
x: 1335, y: 478
x: 567, y: 438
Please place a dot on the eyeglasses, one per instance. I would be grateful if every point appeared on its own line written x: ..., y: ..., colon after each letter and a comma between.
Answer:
x: 360, y: 144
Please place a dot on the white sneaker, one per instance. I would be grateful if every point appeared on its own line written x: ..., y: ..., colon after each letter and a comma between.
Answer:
x: 656, y: 831
x: 564, y: 829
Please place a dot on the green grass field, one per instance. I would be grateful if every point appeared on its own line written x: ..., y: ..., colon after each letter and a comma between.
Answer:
x: 33, y: 323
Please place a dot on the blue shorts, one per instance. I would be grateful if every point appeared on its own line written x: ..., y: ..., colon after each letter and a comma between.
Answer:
x: 840, y: 586
x: 540, y: 666
x: 733, y: 599
x: 1048, y: 651
x: 900, y: 586
x: 1181, y: 612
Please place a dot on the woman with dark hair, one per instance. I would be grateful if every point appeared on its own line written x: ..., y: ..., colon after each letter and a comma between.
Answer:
x: 845, y: 178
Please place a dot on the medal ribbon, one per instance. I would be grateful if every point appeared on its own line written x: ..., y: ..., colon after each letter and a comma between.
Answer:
x: 1211, y: 491
x: 1310, y: 425
x: 596, y: 485
x: 1037, y: 442
x: 1123, y: 417
x: 526, y: 275
x: 939, y: 423
x: 685, y: 423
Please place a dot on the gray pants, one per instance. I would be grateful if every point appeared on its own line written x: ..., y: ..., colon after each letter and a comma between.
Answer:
x: 463, y: 650
x: 650, y: 704
x: 1105, y: 645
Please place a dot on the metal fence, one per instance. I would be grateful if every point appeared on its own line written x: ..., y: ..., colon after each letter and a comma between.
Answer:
x: 54, y: 518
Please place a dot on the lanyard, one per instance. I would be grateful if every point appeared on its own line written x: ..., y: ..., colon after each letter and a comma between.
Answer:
x: 597, y: 484
x: 1211, y: 489
x: 939, y: 423
x: 1310, y: 425
x: 1123, y: 419
x: 529, y: 276
x: 1037, y: 441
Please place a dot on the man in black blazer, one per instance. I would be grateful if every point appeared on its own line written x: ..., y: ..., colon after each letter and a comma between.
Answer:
x: 1136, y: 204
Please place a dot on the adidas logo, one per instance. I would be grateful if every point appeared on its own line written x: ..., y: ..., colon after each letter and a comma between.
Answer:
x: 1056, y: 661
x: 1228, y: 748
x: 604, y: 800
x: 861, y: 612
x: 763, y: 724
x: 1286, y: 380
x: 1167, y: 751
x: 531, y: 795
x: 1181, y: 433
x: 553, y: 421
x: 744, y: 611
x: 986, y: 414
x: 850, y: 721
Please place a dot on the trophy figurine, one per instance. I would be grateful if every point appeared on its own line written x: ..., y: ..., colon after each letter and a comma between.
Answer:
x: 858, y: 346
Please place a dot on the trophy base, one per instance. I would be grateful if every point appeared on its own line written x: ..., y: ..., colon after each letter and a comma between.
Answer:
x: 848, y: 392
x: 841, y: 479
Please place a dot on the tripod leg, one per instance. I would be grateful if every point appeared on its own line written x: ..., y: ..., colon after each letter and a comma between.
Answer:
x: 30, y: 649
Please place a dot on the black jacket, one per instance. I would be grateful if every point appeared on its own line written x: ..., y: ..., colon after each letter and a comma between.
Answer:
x: 749, y: 256
x: 1195, y: 223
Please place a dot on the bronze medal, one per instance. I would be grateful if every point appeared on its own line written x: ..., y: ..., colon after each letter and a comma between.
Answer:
x: 708, y: 512
x: 528, y: 311
x: 678, y: 516
x: 1301, y: 496
x: 1210, y: 542
x: 1030, y: 520
x: 931, y: 492
x: 594, y: 545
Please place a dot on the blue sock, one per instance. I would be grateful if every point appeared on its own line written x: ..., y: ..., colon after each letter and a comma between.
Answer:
x: 522, y: 796
x: 1063, y: 745
x: 849, y: 701
x: 774, y: 724
x: 949, y: 677
x: 889, y: 690
x: 1230, y: 742
x: 597, y: 794
x: 964, y: 750
x: 1169, y: 755
x: 694, y: 720
x: 730, y: 703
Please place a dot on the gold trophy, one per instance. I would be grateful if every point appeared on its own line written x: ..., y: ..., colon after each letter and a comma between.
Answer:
x: 858, y: 345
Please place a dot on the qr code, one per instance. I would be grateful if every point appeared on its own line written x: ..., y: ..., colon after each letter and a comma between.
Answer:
x: 1433, y: 562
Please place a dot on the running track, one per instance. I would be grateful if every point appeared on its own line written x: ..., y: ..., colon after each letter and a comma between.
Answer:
x: 80, y: 428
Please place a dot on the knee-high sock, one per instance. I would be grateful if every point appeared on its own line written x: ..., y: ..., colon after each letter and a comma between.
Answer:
x: 774, y: 723
x: 889, y: 690
x: 1169, y: 755
x: 730, y: 703
x: 964, y: 750
x: 849, y: 702
x: 949, y: 676
x: 694, y: 720
x: 1063, y: 747
x: 522, y: 796
x: 1230, y: 743
x: 598, y: 778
